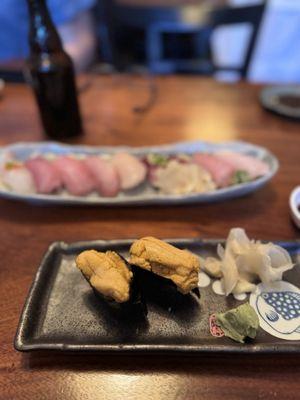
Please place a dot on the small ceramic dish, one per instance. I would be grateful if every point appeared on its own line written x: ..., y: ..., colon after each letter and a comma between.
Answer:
x: 295, y: 205
x: 282, y: 100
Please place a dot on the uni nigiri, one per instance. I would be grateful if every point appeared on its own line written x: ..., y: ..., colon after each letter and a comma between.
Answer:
x: 114, y: 280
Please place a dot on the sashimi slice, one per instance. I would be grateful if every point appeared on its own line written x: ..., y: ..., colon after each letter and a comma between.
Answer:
x: 220, y: 170
x: 242, y: 162
x: 17, y: 178
x: 75, y: 175
x: 105, y: 175
x: 130, y: 169
x: 46, y: 176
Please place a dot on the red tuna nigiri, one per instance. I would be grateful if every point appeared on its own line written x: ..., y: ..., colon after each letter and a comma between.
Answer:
x: 105, y: 175
x: 45, y: 175
x: 220, y: 170
x: 75, y: 175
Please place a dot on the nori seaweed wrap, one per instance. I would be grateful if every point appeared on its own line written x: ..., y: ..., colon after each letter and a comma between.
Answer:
x: 113, y: 280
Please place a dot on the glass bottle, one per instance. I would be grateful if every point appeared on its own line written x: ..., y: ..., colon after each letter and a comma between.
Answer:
x: 52, y: 76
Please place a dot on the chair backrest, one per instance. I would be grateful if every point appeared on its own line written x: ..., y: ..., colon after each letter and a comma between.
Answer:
x: 139, y: 16
x: 229, y: 16
x: 114, y: 16
x: 119, y: 16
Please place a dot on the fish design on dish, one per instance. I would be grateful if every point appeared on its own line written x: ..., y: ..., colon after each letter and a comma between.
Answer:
x: 280, y: 310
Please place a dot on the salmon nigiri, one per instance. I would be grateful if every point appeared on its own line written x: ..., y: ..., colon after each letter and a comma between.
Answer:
x: 75, y: 175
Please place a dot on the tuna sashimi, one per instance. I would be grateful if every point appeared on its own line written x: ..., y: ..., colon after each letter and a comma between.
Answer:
x: 242, y: 162
x: 75, y: 175
x: 130, y: 169
x: 220, y: 170
x: 46, y: 176
x: 18, y: 178
x: 105, y: 175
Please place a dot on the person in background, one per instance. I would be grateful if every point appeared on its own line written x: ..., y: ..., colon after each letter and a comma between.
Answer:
x: 73, y: 19
x: 276, y: 55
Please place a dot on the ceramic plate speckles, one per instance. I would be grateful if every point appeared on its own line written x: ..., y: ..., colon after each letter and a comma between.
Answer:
x: 144, y: 195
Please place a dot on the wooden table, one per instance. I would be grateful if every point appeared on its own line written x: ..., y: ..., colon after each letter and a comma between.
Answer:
x: 186, y: 108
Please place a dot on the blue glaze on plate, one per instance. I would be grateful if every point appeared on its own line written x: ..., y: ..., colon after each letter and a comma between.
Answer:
x: 144, y: 195
x: 279, y: 309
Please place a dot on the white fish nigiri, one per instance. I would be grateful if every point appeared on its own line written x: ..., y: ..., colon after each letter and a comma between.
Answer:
x: 17, y: 178
x: 7, y: 158
x: 242, y: 162
x: 130, y: 169
x: 46, y: 176
x: 75, y: 175
x: 105, y: 175
x: 220, y: 170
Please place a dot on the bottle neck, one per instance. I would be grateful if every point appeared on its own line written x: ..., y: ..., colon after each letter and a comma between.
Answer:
x: 43, y: 36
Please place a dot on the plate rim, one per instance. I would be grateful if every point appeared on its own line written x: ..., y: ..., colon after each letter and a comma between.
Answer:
x: 23, y: 346
x: 149, y: 199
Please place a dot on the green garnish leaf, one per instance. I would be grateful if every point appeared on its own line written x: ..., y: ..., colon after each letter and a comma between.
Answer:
x: 240, y: 176
x: 239, y: 323
x: 158, y: 159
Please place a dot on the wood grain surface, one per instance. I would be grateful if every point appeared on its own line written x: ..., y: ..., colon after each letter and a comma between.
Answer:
x: 185, y: 108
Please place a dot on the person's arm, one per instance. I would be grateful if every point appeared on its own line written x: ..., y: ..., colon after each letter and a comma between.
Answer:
x: 79, y: 38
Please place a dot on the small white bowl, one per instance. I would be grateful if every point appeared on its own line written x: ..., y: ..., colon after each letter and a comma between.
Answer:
x: 294, y: 205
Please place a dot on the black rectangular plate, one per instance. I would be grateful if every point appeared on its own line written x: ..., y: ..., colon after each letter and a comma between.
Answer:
x: 62, y: 313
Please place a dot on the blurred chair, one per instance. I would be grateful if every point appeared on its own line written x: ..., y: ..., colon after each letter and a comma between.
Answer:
x: 230, y: 16
x: 117, y: 21
x: 160, y: 25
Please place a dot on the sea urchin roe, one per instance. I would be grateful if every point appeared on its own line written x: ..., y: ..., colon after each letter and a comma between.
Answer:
x: 239, y: 323
x: 107, y: 273
x: 181, y: 266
